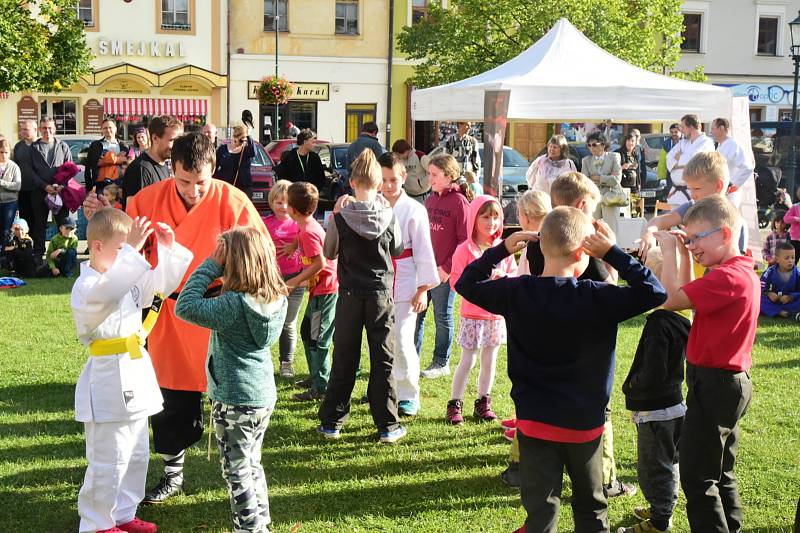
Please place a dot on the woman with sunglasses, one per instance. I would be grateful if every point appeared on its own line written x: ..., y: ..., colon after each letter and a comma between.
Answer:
x: 605, y: 169
x: 233, y: 160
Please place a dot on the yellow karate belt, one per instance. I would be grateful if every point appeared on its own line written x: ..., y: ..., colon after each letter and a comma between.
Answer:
x: 131, y: 344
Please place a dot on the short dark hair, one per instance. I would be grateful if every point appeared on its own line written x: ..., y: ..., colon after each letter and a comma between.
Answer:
x: 783, y: 245
x: 109, y: 119
x: 400, y: 146
x: 370, y: 127
x: 305, y: 135
x: 691, y: 120
x: 597, y: 136
x: 193, y: 151
x: 303, y: 197
x: 158, y: 125
x: 629, y: 135
x: 674, y: 126
x: 722, y: 122
x: 390, y: 159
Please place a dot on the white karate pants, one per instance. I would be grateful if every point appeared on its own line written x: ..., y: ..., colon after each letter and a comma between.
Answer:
x: 405, y: 371
x: 118, y: 455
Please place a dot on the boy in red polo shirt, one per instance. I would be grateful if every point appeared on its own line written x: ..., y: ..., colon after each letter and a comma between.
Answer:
x: 726, y: 305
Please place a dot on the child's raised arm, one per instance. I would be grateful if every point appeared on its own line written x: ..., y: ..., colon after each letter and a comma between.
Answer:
x: 675, y: 275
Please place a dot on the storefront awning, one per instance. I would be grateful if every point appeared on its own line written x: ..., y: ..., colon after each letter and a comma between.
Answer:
x: 193, y: 107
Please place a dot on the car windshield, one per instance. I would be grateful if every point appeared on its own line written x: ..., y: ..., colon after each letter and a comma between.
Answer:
x: 511, y: 158
x: 340, y: 157
x: 261, y: 159
x: 656, y: 142
x: 76, y: 146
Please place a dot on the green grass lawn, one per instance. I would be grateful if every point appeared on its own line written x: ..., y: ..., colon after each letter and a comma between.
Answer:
x: 439, y: 479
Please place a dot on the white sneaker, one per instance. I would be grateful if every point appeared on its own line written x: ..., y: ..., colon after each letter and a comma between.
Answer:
x: 287, y: 370
x: 435, y: 371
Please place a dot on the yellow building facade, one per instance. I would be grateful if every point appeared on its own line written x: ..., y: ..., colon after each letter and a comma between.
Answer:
x: 334, y: 51
x: 147, y: 61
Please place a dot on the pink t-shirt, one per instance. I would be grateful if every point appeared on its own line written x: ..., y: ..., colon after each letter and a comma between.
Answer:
x: 284, y: 232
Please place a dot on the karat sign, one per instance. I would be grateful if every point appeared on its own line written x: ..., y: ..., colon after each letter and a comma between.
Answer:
x: 317, y: 92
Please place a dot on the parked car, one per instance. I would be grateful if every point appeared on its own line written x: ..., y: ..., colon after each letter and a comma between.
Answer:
x: 334, y: 159
x: 514, y: 182
x: 652, y: 144
x: 276, y: 148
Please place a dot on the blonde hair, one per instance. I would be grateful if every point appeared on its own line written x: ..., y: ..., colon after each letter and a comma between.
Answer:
x: 279, y: 188
x: 717, y: 210
x: 366, y: 172
x: 572, y: 187
x: 655, y: 261
x: 470, y: 176
x: 113, y: 189
x: 107, y: 223
x: 563, y: 231
x: 534, y: 204
x: 710, y: 167
x: 239, y: 130
x: 250, y: 264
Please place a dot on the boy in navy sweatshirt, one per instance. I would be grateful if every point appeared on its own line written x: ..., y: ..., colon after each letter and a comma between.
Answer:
x: 561, y: 382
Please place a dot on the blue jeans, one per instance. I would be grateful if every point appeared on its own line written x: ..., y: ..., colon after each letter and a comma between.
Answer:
x: 8, y: 211
x: 66, y: 262
x: 442, y: 298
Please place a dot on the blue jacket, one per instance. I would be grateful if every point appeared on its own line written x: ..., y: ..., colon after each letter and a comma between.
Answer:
x: 562, y: 334
x: 239, y: 363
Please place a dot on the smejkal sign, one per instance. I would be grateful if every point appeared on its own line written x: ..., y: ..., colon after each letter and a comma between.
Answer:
x: 140, y: 48
x: 302, y: 91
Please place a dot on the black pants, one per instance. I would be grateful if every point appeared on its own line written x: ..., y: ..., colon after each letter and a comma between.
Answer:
x: 25, y: 206
x: 38, y: 225
x: 541, y: 465
x: 373, y: 311
x: 796, y: 245
x: 717, y: 399
x: 180, y: 424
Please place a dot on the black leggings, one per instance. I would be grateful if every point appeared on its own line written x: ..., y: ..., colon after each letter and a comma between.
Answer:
x: 796, y: 245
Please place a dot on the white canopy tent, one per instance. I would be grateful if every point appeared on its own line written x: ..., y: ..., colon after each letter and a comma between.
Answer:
x: 565, y: 76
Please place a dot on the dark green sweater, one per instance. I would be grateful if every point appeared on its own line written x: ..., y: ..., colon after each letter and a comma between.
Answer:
x: 239, y: 363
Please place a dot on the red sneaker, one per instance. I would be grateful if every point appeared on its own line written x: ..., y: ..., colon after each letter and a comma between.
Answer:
x: 454, y: 412
x: 114, y: 529
x: 137, y: 525
x: 509, y: 423
x: 509, y: 434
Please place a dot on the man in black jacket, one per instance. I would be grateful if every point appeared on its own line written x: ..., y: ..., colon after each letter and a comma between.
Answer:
x: 653, y: 392
x: 368, y: 138
x: 302, y: 163
x: 22, y: 157
x: 98, y: 148
x: 151, y: 167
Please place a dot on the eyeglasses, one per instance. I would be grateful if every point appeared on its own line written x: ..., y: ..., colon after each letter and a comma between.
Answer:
x: 592, y: 145
x: 693, y: 239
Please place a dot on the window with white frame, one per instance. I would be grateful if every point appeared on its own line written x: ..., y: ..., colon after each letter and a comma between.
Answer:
x: 347, y: 17
x: 269, y: 15
x: 692, y: 28
x: 175, y: 15
x: 419, y: 10
x: 84, y: 10
x: 767, y: 44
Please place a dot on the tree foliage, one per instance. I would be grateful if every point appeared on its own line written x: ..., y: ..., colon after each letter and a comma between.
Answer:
x: 472, y: 36
x: 42, y: 45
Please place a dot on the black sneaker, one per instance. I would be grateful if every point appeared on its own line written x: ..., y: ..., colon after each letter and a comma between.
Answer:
x: 510, y: 476
x: 304, y: 383
x: 310, y: 395
x: 166, y: 488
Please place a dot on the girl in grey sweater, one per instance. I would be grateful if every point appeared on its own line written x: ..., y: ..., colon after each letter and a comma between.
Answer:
x: 245, y: 319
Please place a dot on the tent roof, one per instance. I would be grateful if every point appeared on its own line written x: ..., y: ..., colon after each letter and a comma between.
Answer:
x: 565, y: 76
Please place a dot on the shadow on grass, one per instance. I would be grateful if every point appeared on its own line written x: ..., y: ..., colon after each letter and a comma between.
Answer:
x: 37, y: 397
x: 791, y: 363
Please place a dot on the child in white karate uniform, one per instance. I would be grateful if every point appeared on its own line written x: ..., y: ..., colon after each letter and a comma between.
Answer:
x: 117, y: 389
x: 414, y: 274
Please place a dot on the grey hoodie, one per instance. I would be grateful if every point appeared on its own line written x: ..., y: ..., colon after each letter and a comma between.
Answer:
x: 368, y: 219
x: 364, y: 235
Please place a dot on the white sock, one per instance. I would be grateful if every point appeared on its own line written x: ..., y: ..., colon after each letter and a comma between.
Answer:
x: 461, y: 375
x: 487, y: 371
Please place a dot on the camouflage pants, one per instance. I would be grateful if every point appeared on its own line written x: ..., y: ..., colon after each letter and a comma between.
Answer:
x: 240, y: 433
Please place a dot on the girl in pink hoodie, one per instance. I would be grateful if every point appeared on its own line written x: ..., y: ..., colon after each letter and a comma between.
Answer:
x: 479, y: 330
x: 792, y: 218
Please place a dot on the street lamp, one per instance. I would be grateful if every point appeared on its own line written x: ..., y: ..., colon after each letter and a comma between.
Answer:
x: 277, y: 24
x: 794, y: 31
